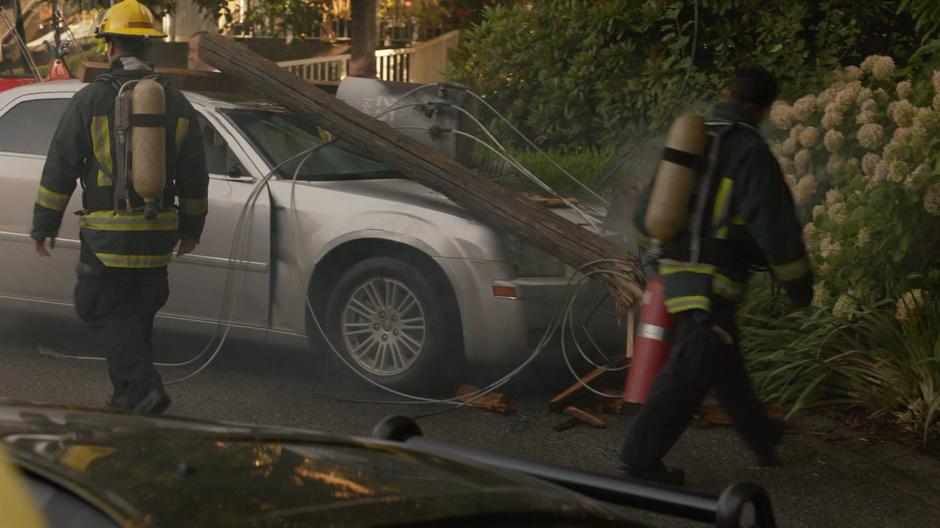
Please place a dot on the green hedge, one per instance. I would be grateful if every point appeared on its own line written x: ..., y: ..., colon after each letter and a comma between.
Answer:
x: 586, y: 73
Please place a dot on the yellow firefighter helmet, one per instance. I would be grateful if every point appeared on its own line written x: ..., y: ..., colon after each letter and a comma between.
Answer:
x: 128, y: 18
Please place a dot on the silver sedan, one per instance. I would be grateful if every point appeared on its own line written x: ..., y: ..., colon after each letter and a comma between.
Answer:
x: 404, y: 283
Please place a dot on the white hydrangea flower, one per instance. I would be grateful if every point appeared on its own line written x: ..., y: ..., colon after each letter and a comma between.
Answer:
x: 910, y: 305
x: 803, y: 160
x: 927, y: 119
x: 883, y: 69
x: 864, y: 95
x: 834, y: 196
x: 916, y: 175
x: 832, y: 119
x: 809, y: 233
x: 853, y: 73
x: 898, y: 171
x: 833, y: 140
x: 825, y: 97
x: 795, y: 132
x: 804, y: 107
x: 881, y: 171
x: 821, y: 294
x: 920, y: 139
x: 881, y: 96
x: 865, y: 117
x: 903, y: 113
x: 935, y: 104
x: 837, y: 213
x: 932, y: 199
x: 789, y: 146
x: 791, y: 181
x: 809, y: 136
x: 903, y: 89
x: 834, y: 165
x: 895, y: 151
x: 936, y: 81
x: 871, y: 136
x: 805, y: 189
x: 864, y: 237
x: 902, y: 134
x: 869, y: 105
x: 818, y: 211
x: 869, y: 162
x: 785, y: 163
x: 845, y: 307
x: 852, y: 167
x: 781, y: 115
x: 869, y: 63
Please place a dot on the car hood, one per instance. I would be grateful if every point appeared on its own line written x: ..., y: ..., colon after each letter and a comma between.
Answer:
x: 154, y: 471
x: 398, y: 190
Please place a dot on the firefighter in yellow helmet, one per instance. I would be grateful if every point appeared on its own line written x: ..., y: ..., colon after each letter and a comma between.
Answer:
x: 136, y: 207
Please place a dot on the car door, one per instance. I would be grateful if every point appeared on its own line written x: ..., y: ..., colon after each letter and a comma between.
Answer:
x: 227, y: 276
x: 27, y: 125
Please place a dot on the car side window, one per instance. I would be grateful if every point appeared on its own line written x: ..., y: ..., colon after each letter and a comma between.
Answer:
x: 28, y: 127
x: 220, y: 159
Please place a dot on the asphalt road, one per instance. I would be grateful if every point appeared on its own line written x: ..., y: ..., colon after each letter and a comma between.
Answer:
x: 829, y: 477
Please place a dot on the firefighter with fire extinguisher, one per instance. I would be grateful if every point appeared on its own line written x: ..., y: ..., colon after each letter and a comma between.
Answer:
x: 719, y: 206
x: 134, y: 142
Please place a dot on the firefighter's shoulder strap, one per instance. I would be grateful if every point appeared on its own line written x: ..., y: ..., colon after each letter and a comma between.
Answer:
x: 717, y: 130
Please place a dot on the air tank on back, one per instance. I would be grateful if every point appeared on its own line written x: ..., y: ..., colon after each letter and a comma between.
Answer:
x: 148, y: 144
x: 668, y: 209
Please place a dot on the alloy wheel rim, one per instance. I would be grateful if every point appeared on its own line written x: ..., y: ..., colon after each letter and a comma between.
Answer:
x: 384, y: 326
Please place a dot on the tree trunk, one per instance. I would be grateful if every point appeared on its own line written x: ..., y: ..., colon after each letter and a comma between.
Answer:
x: 362, y: 47
x: 21, y: 30
x: 574, y: 245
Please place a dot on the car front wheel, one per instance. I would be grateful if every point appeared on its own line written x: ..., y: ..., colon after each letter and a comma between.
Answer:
x: 392, y: 324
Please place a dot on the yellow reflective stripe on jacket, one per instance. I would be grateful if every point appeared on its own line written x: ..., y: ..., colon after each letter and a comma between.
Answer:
x: 669, y: 267
x: 726, y: 287
x: 691, y: 302
x: 792, y: 270
x: 739, y: 220
x: 194, y: 206
x: 52, y: 200
x: 182, y: 129
x: 722, y: 207
x: 114, y: 260
x: 111, y: 221
x: 101, y: 144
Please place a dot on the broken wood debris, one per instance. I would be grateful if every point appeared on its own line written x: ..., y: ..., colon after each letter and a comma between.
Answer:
x: 586, y: 417
x: 494, y: 401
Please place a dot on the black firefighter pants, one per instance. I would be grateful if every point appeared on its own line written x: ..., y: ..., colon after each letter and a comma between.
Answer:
x: 701, y: 360
x: 119, y: 305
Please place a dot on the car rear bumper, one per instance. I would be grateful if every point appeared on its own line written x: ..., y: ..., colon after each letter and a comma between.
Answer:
x: 499, y: 313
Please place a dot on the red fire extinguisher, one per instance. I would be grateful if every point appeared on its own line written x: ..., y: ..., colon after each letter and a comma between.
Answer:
x: 653, y: 342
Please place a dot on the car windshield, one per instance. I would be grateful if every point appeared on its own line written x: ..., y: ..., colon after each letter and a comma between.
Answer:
x: 279, y: 136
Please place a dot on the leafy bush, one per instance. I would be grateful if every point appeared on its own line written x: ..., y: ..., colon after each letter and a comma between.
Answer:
x: 579, y: 73
x: 584, y: 164
x: 862, y: 158
x: 812, y: 357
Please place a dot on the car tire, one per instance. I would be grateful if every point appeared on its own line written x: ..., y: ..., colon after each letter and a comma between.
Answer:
x: 392, y: 324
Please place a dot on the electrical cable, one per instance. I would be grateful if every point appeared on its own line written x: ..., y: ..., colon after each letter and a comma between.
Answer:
x: 24, y: 49
x: 492, y: 109
x: 537, y: 148
x: 68, y: 29
x: 518, y: 166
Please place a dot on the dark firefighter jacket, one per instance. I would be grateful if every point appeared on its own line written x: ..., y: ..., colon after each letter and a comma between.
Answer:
x: 750, y: 220
x: 83, y: 147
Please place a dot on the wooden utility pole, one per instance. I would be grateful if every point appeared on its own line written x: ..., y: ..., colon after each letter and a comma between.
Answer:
x: 362, y: 34
x: 535, y: 223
